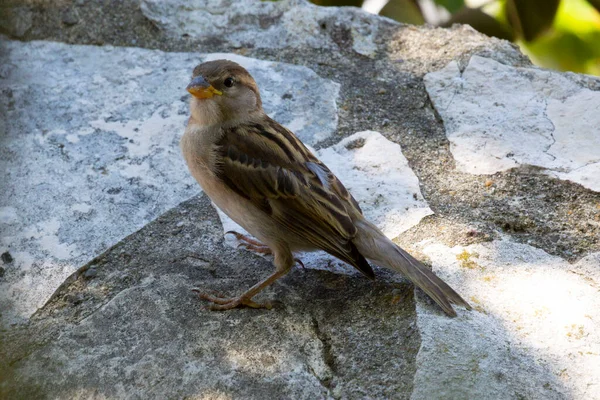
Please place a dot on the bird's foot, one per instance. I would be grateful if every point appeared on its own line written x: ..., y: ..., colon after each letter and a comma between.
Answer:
x: 221, y: 303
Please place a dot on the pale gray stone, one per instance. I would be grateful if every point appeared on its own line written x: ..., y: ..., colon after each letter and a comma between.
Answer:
x: 136, y: 330
x: 90, y: 149
x: 265, y: 24
x: 499, y: 117
x: 533, y: 332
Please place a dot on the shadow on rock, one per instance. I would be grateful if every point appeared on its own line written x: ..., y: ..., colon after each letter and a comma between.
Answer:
x: 128, y: 325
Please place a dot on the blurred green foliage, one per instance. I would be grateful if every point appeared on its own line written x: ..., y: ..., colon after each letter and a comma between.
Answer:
x: 558, y: 34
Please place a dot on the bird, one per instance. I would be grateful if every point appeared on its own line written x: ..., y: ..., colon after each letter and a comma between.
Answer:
x: 265, y: 179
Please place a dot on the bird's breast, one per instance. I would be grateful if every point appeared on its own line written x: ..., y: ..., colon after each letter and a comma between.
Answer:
x: 198, y: 148
x: 199, y: 151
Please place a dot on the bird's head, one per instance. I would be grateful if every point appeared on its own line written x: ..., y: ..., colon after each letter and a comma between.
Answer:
x: 223, y: 91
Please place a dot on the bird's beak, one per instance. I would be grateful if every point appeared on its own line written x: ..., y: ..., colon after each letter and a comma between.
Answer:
x: 201, y: 89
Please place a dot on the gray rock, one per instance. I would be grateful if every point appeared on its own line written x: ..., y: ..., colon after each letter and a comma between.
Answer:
x: 70, y: 17
x: 90, y: 273
x: 138, y: 331
x: 103, y: 126
x: 520, y: 245
x: 533, y: 313
x: 15, y: 21
x: 267, y: 24
x: 499, y: 117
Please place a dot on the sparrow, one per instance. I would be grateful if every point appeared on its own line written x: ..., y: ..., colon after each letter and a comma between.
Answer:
x: 265, y: 179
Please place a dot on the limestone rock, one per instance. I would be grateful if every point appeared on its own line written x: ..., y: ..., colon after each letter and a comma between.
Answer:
x: 136, y: 329
x: 102, y: 124
x: 267, y: 24
x: 533, y: 313
x: 91, y: 149
x: 499, y: 117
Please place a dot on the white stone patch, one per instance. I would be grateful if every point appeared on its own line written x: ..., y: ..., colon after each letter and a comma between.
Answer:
x: 8, y: 215
x: 534, y: 332
x: 82, y: 208
x: 379, y: 177
x: 45, y: 234
x: 142, y: 135
x: 264, y: 24
x: 377, y: 174
x: 499, y: 117
x: 90, y: 149
x: 72, y: 138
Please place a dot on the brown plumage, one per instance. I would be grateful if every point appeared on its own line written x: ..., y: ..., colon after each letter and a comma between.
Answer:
x: 262, y: 176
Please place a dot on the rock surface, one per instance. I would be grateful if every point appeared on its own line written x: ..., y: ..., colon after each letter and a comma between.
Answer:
x: 498, y: 117
x: 269, y: 24
x: 533, y: 312
x: 520, y: 245
x: 106, y: 151
x: 136, y: 329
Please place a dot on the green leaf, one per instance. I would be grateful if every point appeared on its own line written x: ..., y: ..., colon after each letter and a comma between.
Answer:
x: 407, y: 11
x: 531, y: 18
x: 566, y: 51
x: 451, y: 5
x: 595, y: 4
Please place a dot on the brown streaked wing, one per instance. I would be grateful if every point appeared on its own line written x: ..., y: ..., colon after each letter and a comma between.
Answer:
x: 287, y: 190
x: 336, y: 185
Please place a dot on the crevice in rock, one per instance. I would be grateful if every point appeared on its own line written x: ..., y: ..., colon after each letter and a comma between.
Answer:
x: 328, y: 357
x: 325, y: 383
x: 429, y: 103
x: 547, y: 149
x: 103, y: 305
x: 585, y: 165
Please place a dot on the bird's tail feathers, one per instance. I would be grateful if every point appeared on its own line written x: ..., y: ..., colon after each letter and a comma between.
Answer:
x: 376, y: 247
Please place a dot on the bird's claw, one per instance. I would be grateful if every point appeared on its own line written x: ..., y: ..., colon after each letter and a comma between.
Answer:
x: 221, y: 303
x: 250, y: 244
x: 255, y: 246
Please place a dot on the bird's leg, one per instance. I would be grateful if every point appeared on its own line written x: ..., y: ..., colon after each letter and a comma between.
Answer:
x: 283, y: 263
x: 255, y: 246
x: 251, y: 244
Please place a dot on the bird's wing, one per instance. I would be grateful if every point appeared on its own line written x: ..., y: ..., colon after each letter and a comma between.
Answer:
x: 267, y: 164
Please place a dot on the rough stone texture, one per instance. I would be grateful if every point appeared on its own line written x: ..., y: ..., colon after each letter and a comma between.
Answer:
x: 270, y: 24
x: 106, y: 151
x: 499, y: 117
x: 381, y: 89
x: 534, y: 313
x: 15, y: 21
x: 136, y: 330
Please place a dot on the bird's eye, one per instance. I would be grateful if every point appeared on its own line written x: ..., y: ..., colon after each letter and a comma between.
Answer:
x: 228, y: 82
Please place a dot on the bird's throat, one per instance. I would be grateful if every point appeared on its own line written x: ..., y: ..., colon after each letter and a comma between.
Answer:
x: 205, y: 112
